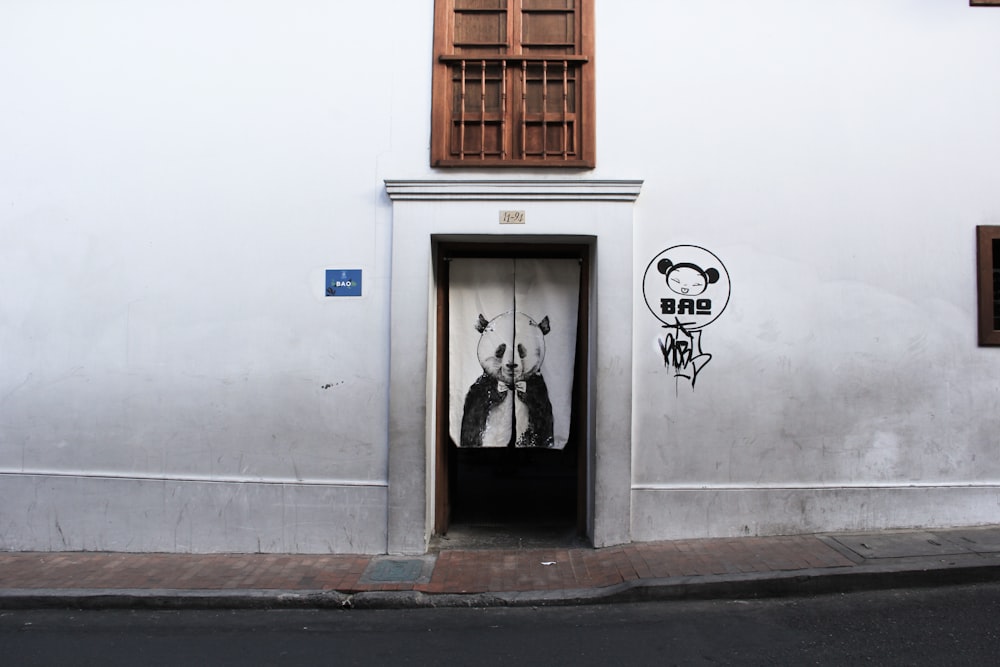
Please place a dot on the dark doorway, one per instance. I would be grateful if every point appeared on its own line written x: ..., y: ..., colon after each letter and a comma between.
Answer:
x: 511, y: 496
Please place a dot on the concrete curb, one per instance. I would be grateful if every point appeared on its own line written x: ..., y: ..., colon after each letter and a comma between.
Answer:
x: 736, y: 586
x: 166, y: 598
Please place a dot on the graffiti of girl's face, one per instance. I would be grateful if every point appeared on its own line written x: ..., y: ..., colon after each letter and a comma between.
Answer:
x: 686, y: 280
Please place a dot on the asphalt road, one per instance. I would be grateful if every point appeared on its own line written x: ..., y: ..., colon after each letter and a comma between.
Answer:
x: 940, y: 626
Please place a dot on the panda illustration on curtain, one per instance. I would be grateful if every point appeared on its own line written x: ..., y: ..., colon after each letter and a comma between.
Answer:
x: 511, y: 350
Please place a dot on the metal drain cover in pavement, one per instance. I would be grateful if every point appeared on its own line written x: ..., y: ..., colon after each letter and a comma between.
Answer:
x: 922, y: 543
x: 389, y: 570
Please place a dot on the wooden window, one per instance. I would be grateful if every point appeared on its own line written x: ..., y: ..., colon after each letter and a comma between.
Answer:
x: 513, y: 83
x: 988, y: 256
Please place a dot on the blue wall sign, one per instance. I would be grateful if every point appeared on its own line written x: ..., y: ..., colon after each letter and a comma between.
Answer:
x: 343, y: 282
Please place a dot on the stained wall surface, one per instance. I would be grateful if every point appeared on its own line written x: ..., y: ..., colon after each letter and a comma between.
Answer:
x: 176, y: 178
x: 836, y: 159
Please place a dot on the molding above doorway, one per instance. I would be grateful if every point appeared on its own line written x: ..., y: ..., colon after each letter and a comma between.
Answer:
x: 521, y: 189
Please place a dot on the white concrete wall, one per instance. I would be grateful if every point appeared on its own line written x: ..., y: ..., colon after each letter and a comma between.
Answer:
x: 175, y: 176
x: 837, y: 157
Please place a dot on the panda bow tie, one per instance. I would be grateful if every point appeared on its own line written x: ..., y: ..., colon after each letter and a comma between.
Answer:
x: 520, y: 386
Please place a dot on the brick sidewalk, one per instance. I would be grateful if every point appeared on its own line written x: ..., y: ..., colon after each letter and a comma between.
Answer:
x: 746, y: 566
x: 454, y: 571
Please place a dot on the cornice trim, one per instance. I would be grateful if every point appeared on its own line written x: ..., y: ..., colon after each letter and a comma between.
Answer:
x: 507, y: 190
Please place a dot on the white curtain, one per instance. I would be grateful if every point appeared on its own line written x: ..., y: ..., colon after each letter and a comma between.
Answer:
x: 512, y: 349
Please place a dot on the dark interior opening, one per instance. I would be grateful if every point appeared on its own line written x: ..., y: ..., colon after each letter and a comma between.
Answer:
x: 509, y: 496
x: 514, y: 497
x: 515, y: 486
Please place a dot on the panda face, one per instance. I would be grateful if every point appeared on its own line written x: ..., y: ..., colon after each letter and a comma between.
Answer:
x: 512, y: 346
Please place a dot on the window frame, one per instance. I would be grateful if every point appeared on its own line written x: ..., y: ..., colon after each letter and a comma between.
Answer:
x: 577, y: 144
x: 988, y: 283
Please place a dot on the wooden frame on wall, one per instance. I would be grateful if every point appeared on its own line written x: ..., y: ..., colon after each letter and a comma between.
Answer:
x: 988, y: 280
x: 513, y: 84
x: 984, y: 3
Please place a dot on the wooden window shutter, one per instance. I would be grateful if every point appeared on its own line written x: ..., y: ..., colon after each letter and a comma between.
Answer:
x: 513, y: 83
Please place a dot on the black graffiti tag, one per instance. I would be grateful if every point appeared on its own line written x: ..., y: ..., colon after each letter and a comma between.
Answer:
x: 682, y: 352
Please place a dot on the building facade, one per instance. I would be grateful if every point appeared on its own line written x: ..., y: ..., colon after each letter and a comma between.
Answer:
x: 233, y: 241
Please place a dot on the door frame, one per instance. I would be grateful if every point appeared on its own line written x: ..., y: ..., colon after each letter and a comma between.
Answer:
x: 443, y: 252
x: 600, y: 212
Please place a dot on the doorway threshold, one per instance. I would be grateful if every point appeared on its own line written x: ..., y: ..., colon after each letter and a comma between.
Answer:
x: 509, y: 536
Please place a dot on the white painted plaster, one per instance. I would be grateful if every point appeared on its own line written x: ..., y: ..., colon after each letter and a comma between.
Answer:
x: 709, y: 512
x: 175, y: 176
x: 184, y: 516
x: 829, y: 164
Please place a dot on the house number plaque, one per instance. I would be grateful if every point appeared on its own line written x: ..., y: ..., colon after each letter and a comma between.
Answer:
x: 511, y: 217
